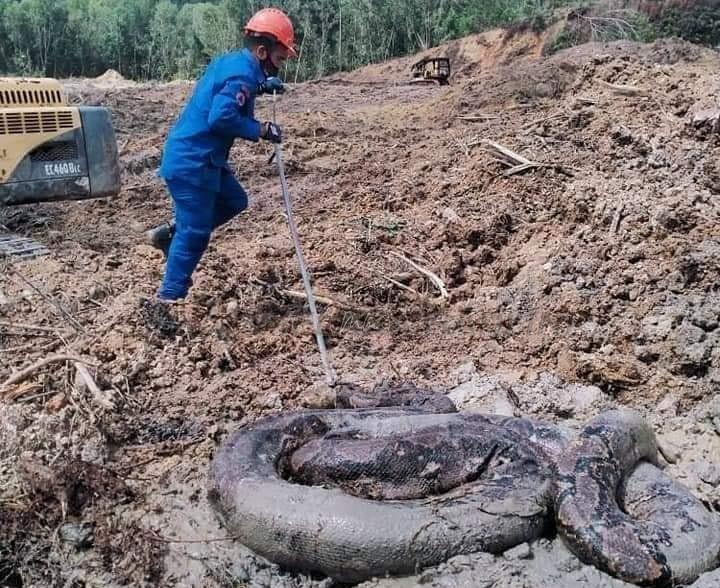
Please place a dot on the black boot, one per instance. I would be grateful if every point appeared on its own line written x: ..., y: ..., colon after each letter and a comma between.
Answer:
x: 161, y: 236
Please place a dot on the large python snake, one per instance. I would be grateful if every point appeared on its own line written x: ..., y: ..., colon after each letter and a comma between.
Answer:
x: 356, y: 493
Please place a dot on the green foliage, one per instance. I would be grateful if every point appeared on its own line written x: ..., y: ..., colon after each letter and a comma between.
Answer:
x: 700, y: 24
x: 166, y: 39
x: 586, y: 25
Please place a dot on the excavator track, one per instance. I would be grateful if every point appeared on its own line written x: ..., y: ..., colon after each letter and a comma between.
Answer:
x: 19, y: 247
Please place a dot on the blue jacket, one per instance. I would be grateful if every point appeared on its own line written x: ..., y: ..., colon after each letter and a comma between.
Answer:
x: 221, y: 109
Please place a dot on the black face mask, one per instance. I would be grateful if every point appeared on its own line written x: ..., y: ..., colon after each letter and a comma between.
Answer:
x: 269, y: 67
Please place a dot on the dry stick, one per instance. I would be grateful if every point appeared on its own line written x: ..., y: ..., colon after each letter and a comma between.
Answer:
x: 97, y: 394
x: 508, y: 156
x: 18, y: 348
x: 76, y: 325
x: 25, y: 334
x: 517, y: 162
x: 433, y: 278
x: 24, y: 327
x: 37, y: 396
x: 20, y: 391
x: 402, y: 286
x: 302, y: 296
x: 615, y: 225
x: 38, y: 365
x: 626, y: 90
x: 477, y: 117
x: 139, y: 187
x: 154, y: 536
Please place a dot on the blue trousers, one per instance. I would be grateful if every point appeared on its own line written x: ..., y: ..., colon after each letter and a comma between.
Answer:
x: 197, y: 213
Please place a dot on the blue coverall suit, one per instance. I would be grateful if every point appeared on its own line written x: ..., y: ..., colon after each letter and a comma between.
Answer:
x: 194, y: 165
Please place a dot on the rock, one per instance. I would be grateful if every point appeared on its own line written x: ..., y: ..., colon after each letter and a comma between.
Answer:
x: 710, y: 474
x: 697, y: 354
x: 669, y: 450
x: 57, y: 403
x: 657, y: 328
x: 668, y: 405
x: 550, y: 394
x: 460, y: 563
x: 688, y: 334
x: 658, y: 158
x: 97, y: 293
x: 79, y: 535
x: 706, y: 318
x: 484, y: 394
x: 451, y: 216
x: 709, y: 580
x: 320, y: 395
x: 708, y: 117
x: 465, y: 372
x: 232, y: 308
x: 522, y: 551
x: 714, y: 375
x: 584, y: 397
x: 646, y: 353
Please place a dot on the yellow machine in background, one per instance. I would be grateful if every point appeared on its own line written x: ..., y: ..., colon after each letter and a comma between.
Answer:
x: 50, y: 151
x: 432, y: 69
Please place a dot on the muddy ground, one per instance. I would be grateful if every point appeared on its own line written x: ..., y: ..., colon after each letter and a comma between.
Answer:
x: 587, y: 280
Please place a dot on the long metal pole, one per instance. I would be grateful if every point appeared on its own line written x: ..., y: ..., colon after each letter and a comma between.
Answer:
x: 331, y: 378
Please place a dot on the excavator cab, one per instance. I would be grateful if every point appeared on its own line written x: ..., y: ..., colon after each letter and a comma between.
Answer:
x: 50, y: 151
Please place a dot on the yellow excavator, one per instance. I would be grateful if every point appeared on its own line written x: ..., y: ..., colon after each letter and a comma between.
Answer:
x: 50, y: 151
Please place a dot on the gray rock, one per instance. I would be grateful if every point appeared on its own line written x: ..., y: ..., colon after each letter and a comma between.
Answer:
x: 709, y: 580
x: 522, y: 551
x: 79, y: 535
x: 483, y: 394
x: 668, y: 405
x: 710, y: 474
x: 657, y: 328
x: 688, y: 334
x: 707, y: 318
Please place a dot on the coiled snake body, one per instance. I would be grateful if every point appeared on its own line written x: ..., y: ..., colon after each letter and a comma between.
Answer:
x: 358, y: 493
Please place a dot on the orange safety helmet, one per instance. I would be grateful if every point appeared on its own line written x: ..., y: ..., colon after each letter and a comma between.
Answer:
x: 276, y: 24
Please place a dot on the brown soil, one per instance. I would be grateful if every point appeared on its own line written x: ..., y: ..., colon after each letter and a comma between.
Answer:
x: 601, y: 266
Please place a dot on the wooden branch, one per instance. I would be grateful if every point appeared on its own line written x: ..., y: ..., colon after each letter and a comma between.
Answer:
x: 401, y: 285
x: 21, y: 390
x: 432, y: 277
x: 294, y: 294
x: 617, y: 217
x: 523, y: 167
x: 24, y: 327
x: 84, y: 379
x: 139, y: 187
x: 302, y: 296
x: 506, y: 156
x: 626, y: 90
x: 23, y: 375
x: 477, y: 117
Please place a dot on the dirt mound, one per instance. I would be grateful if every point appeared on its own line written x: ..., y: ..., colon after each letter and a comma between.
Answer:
x: 468, y: 55
x: 110, y: 76
x: 112, y: 79
x: 594, y: 259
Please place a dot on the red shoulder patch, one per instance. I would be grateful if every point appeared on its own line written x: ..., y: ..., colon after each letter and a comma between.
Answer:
x: 242, y: 96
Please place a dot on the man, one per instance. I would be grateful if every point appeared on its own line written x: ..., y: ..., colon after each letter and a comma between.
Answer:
x: 204, y: 192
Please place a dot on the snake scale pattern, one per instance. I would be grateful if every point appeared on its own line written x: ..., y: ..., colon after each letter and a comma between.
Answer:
x: 356, y: 493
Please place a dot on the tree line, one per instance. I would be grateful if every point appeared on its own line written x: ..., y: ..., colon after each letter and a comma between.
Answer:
x: 170, y: 39
x: 166, y: 39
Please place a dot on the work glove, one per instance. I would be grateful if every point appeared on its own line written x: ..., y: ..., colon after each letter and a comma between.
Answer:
x: 272, y: 85
x: 271, y: 132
